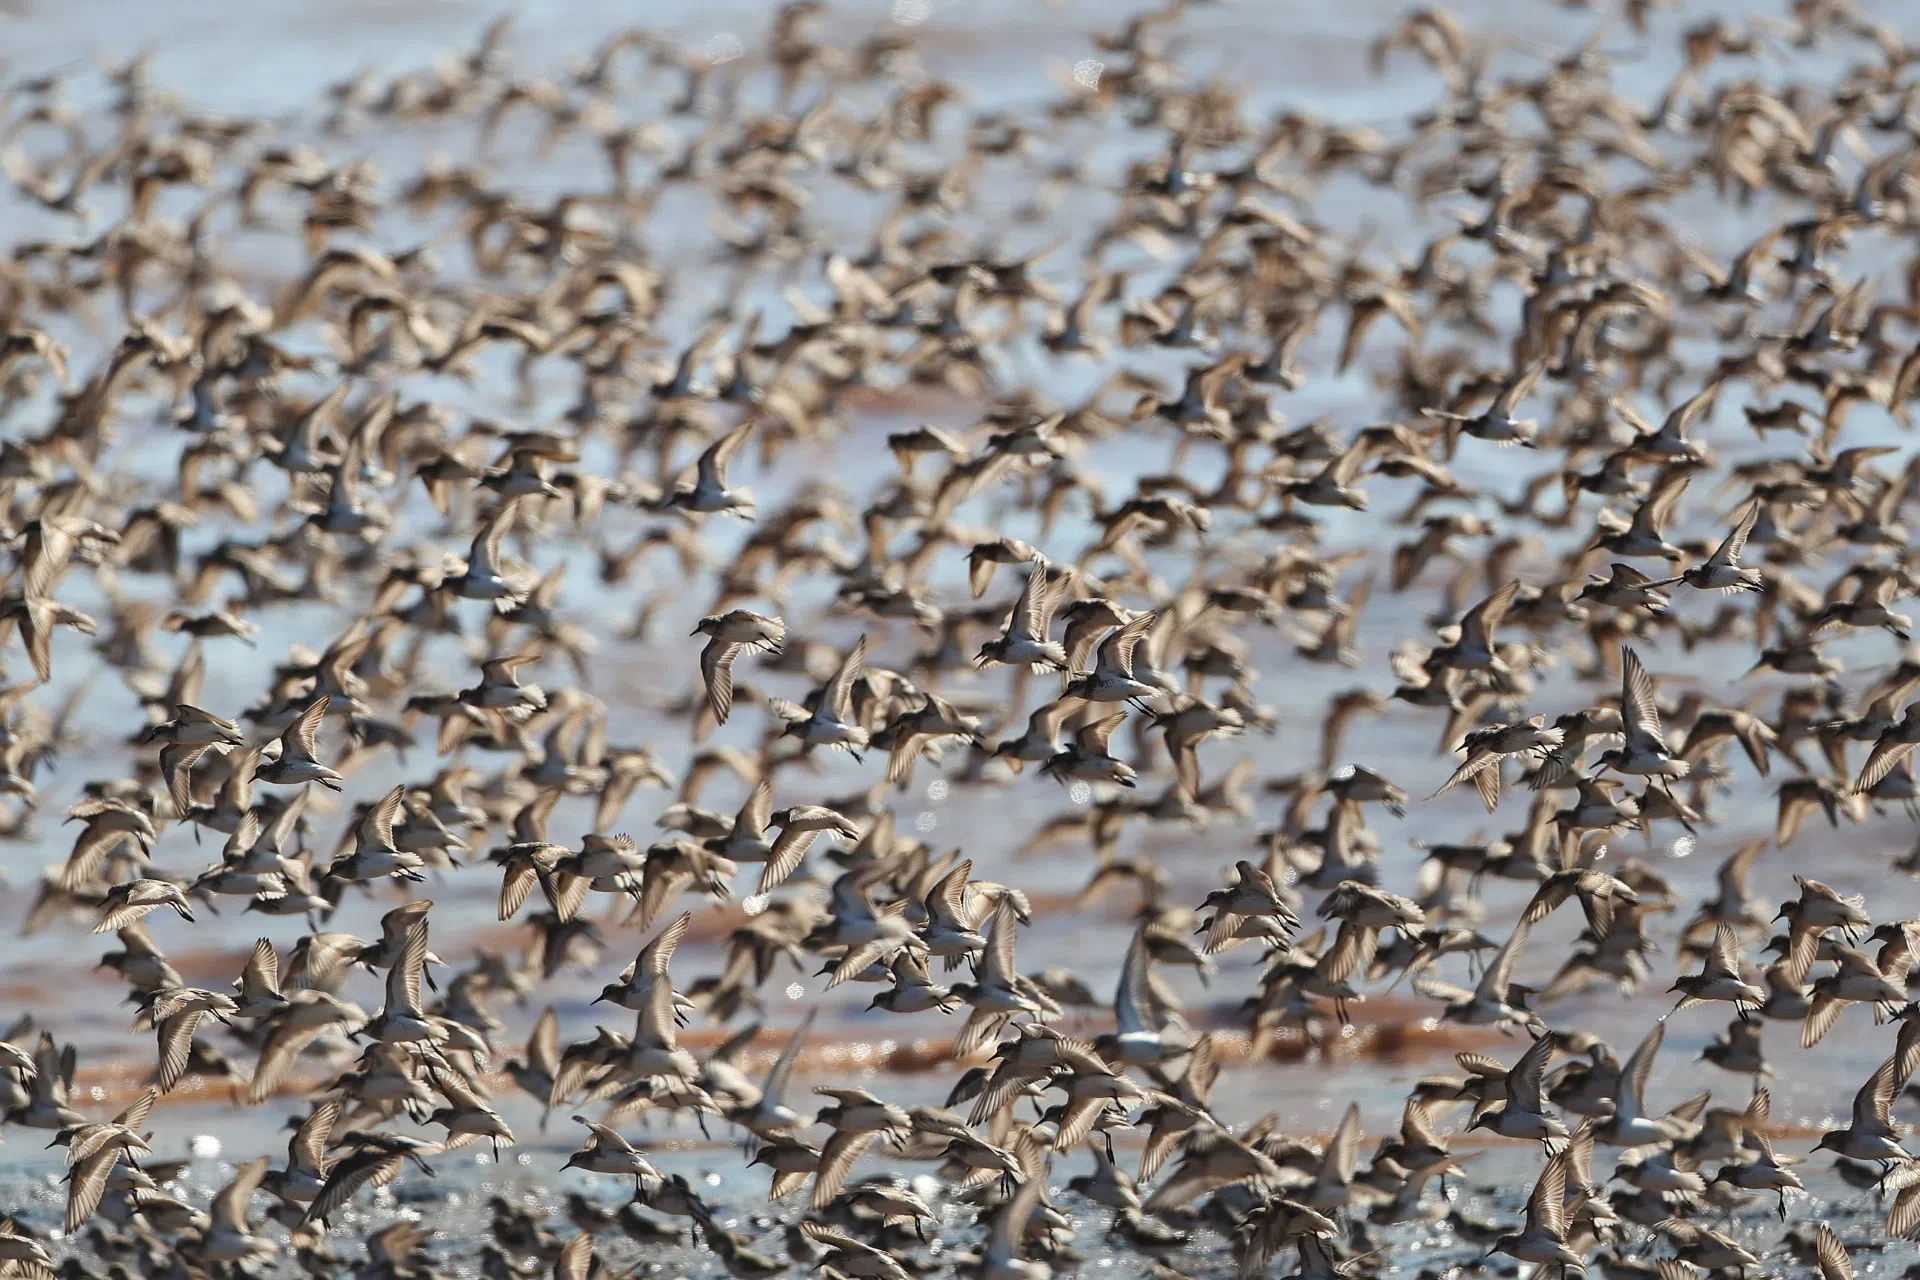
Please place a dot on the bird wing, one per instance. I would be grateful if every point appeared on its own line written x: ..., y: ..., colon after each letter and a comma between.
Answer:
x: 1873, y: 1105
x: 1831, y: 1254
x: 483, y: 557
x: 246, y: 834
x: 947, y: 900
x: 1045, y: 721
x: 1641, y: 714
x: 1093, y: 737
x: 604, y: 1135
x: 1725, y: 957
x: 1010, y: 1224
x: 1344, y: 467
x: 836, y: 1161
x: 368, y: 1168
x: 1133, y: 998
x: 176, y: 1046
x: 788, y: 851
x: 516, y: 883
x: 1116, y: 651
x: 716, y: 670
x: 1547, y: 1206
x: 176, y: 766
x: 1030, y: 611
x: 134, y: 1118
x: 1059, y: 582
x: 1344, y: 1150
x: 1732, y: 876
x: 395, y: 925
x: 1526, y: 1078
x: 1684, y: 416
x: 124, y: 914
x: 302, y: 736
x: 791, y: 712
x: 758, y: 809
x: 565, y: 892
x: 86, y: 1184
x: 237, y: 790
x: 654, y: 1024
x: 376, y: 828
x: 1881, y: 761
x: 776, y: 1085
x: 658, y: 954
x: 1352, y: 948
x: 543, y: 1046
x: 276, y: 1060
x: 575, y: 1260
x: 1728, y: 552
x: 1516, y: 389
x: 997, y: 964
x: 1630, y: 1100
x: 1499, y: 974
x: 262, y: 971
x: 1478, y: 626
x: 1658, y: 508
x: 403, y: 980
x: 837, y: 699
x: 309, y: 1144
x: 1416, y: 1125
x: 230, y: 1206
x: 713, y: 463
x: 530, y: 822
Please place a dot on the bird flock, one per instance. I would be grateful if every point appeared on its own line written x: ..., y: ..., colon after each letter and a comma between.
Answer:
x: 629, y: 384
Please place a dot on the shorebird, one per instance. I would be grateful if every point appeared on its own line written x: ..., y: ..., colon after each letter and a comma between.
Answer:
x: 608, y: 1152
x: 1089, y: 757
x: 1544, y: 1238
x: 1644, y: 752
x: 375, y: 855
x: 307, y: 1160
x: 1722, y: 571
x: 831, y: 721
x: 132, y: 899
x: 175, y: 1012
x: 371, y: 1161
x: 729, y: 633
x: 1629, y: 1125
x: 221, y: 396
x: 857, y: 1118
x: 1524, y: 1114
x: 401, y: 1019
x: 1494, y: 1000
x: 1112, y: 678
x: 1720, y: 977
x: 769, y: 1115
x: 228, y: 1237
x: 707, y: 492
x: 1024, y: 641
x: 1870, y: 1136
x: 1041, y: 740
x: 297, y: 763
x: 188, y: 736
